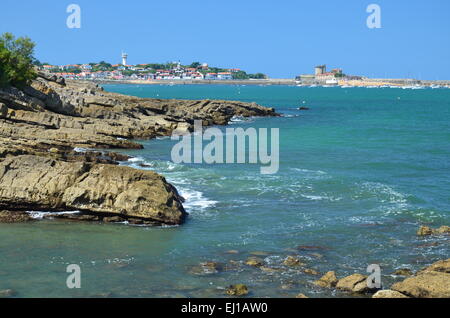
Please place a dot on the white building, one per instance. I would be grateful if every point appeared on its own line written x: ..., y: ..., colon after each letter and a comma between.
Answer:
x: 124, y: 58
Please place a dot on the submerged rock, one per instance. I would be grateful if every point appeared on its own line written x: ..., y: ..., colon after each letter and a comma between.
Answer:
x: 14, y: 217
x: 232, y: 252
x: 292, y: 261
x: 259, y: 253
x: 206, y: 268
x: 267, y: 269
x: 403, y: 272
x: 442, y: 230
x: 255, y: 261
x: 311, y: 271
x: 287, y: 286
x: 237, y: 290
x: 426, y: 230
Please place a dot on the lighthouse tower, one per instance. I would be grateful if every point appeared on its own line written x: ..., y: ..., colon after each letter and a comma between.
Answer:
x: 124, y: 59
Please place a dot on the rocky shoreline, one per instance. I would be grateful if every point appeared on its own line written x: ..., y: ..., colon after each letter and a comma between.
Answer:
x: 43, y: 125
x: 432, y: 281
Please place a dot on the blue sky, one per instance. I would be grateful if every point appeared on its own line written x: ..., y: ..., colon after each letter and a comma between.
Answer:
x: 280, y: 38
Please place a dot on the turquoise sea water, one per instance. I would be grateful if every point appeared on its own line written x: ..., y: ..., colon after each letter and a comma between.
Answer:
x: 359, y: 173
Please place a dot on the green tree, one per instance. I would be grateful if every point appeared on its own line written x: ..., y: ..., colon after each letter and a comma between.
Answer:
x: 16, y: 60
x: 257, y: 76
x: 195, y: 65
x: 240, y: 75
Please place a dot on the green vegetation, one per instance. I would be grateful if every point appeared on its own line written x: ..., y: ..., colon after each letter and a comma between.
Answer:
x: 241, y: 75
x: 152, y: 68
x: 102, y: 66
x: 16, y: 60
x: 257, y: 76
x: 195, y: 65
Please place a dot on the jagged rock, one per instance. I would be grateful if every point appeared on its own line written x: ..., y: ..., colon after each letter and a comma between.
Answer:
x: 329, y: 280
x: 3, y: 110
x: 403, y: 272
x: 442, y: 230
x: 442, y: 266
x: 237, y: 290
x: 301, y: 296
x: 37, y: 183
x: 428, y: 284
x: 426, y: 230
x: 52, y: 117
x: 255, y: 261
x: 292, y: 261
x: 352, y: 283
x: 387, y: 293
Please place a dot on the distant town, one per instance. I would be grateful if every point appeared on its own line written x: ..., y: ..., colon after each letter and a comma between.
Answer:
x: 196, y: 72
x: 150, y: 71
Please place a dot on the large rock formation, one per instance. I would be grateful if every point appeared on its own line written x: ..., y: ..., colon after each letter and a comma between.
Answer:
x: 42, y: 125
x: 38, y: 183
x: 431, y: 282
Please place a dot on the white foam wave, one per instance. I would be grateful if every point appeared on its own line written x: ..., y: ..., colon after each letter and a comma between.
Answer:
x: 240, y: 119
x: 136, y: 159
x: 195, y: 201
x: 39, y: 215
x: 309, y: 171
x: 321, y: 197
